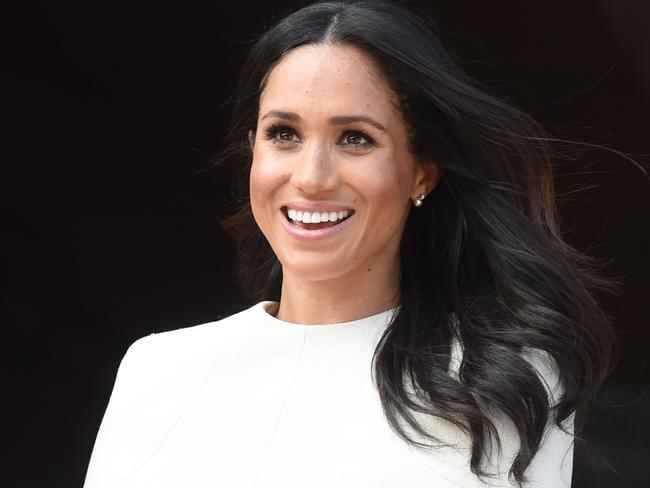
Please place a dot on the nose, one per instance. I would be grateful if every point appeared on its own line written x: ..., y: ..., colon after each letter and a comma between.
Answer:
x: 314, y: 170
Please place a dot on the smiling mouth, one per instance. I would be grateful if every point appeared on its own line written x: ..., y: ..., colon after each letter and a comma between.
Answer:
x: 315, y: 220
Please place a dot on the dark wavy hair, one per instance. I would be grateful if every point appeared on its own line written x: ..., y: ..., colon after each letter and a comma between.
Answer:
x: 482, y: 261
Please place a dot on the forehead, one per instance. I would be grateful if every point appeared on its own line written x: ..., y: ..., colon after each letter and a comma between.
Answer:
x: 330, y: 78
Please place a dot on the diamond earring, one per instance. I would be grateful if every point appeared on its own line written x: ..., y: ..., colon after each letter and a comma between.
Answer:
x: 419, y: 200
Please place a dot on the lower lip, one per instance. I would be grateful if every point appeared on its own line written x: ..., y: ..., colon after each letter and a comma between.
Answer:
x: 316, y: 234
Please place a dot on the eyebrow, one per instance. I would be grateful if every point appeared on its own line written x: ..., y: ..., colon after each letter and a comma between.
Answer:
x: 336, y: 120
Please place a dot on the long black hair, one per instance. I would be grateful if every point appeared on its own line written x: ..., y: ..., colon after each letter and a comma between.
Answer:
x: 482, y: 262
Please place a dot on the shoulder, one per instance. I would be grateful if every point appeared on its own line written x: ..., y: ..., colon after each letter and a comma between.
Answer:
x: 178, y: 342
x: 169, y: 355
x: 156, y: 380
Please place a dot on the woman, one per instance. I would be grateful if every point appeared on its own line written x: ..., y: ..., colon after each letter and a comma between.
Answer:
x: 422, y: 324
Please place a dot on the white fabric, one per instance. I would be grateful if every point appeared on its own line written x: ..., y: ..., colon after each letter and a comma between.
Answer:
x: 251, y: 401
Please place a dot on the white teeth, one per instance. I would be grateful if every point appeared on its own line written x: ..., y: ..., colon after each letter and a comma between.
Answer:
x: 316, y: 217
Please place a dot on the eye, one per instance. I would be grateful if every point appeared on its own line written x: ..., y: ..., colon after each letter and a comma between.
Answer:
x: 281, y: 134
x: 357, y: 139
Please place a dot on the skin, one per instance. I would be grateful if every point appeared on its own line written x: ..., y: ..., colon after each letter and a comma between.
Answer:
x: 352, y: 274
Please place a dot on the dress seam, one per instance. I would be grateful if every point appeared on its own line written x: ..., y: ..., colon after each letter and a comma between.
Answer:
x: 182, y: 414
x: 282, y: 408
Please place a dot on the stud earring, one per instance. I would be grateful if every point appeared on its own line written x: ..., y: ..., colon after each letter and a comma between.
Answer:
x: 419, y: 200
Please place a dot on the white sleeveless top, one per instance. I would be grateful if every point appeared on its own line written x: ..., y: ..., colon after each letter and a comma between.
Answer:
x: 251, y: 401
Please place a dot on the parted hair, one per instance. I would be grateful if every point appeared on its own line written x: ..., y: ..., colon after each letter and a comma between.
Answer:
x: 485, y: 249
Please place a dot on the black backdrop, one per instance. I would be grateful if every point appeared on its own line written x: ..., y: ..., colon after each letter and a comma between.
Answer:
x: 108, y: 234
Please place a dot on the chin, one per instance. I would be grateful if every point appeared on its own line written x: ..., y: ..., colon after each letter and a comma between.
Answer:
x: 314, y: 269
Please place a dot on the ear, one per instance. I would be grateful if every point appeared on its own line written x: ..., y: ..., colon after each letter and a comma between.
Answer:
x: 251, y: 139
x: 427, y: 176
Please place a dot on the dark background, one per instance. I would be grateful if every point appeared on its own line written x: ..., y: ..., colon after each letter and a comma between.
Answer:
x: 107, y: 232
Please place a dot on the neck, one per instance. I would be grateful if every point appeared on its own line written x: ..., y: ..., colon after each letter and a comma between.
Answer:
x: 342, y: 299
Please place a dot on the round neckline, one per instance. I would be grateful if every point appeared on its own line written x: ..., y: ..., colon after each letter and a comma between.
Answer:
x: 265, y: 307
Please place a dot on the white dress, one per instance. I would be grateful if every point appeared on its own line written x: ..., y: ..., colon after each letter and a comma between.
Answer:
x: 251, y: 401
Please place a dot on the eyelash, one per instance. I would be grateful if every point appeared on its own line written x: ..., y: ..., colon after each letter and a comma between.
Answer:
x: 273, y: 131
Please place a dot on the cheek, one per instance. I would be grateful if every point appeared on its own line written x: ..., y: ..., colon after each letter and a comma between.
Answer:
x: 266, y: 177
x: 256, y: 181
x: 267, y: 169
x: 387, y: 190
x: 387, y: 184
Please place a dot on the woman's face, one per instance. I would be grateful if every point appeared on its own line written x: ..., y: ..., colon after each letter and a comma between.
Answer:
x: 332, y: 178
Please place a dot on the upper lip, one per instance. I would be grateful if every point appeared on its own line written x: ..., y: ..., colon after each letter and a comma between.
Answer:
x: 316, y: 206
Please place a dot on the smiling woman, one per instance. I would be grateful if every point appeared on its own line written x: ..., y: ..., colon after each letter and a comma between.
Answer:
x: 330, y: 138
x: 419, y: 320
